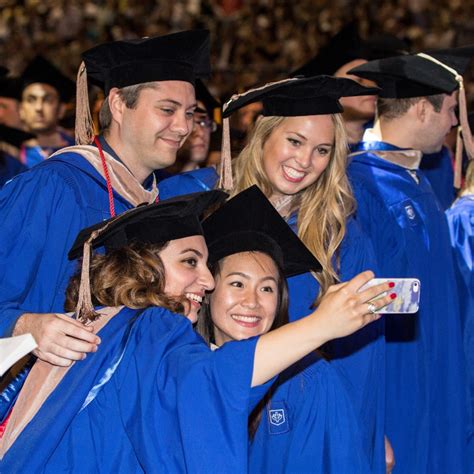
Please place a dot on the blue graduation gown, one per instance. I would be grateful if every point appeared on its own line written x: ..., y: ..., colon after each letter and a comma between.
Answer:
x: 41, y: 213
x: 438, y: 168
x: 359, y: 357
x: 32, y: 155
x: 153, y: 398
x: 9, y: 167
x: 425, y: 399
x: 461, y: 227
x: 203, y: 179
x: 309, y: 425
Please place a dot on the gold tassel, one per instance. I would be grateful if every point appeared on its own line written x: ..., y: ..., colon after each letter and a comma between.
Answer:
x: 458, y: 159
x: 465, y: 130
x: 217, y: 113
x: 84, y: 129
x: 226, y: 180
x: 85, y: 310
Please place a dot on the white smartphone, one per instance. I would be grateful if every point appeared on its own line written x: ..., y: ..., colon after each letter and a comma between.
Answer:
x: 407, y: 291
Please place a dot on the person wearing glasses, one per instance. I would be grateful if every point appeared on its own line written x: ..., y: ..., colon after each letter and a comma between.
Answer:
x: 195, y: 151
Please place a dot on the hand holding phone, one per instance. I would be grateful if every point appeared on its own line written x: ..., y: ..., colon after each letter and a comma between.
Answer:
x: 407, y: 291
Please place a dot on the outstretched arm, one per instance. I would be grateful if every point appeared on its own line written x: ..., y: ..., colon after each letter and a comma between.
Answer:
x: 342, y: 311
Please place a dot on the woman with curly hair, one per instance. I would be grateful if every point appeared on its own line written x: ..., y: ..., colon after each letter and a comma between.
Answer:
x: 297, y: 154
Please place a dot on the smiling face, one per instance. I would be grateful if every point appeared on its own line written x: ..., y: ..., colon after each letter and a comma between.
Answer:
x: 151, y: 133
x: 245, y: 300
x: 186, y: 272
x: 297, y: 152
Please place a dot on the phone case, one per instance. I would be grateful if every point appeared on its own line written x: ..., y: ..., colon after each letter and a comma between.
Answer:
x: 407, y: 291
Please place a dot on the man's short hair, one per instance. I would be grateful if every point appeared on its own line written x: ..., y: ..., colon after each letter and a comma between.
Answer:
x: 129, y: 96
x: 391, y: 109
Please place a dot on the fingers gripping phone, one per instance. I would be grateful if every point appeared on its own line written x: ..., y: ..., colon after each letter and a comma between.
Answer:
x: 407, y: 291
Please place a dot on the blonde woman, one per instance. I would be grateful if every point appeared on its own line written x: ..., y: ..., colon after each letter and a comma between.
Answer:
x: 297, y: 154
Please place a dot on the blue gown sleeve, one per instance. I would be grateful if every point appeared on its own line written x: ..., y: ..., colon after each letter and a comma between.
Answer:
x: 203, y: 179
x: 461, y: 229
x: 37, y: 211
x: 461, y: 226
x: 192, y: 406
x: 438, y: 169
x: 9, y: 167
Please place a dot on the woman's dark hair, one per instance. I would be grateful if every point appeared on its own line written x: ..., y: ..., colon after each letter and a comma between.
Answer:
x: 205, y: 328
x: 133, y: 276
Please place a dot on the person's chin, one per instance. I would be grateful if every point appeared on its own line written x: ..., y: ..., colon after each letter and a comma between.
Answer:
x: 433, y: 149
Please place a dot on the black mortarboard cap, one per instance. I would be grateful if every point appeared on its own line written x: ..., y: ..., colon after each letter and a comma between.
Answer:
x: 182, y: 56
x: 14, y: 136
x: 384, y: 46
x: 317, y: 95
x: 248, y: 222
x: 293, y: 97
x: 346, y: 46
x: 11, y: 87
x: 40, y: 70
x: 412, y: 75
x: 209, y: 101
x: 342, y: 48
x: 154, y: 223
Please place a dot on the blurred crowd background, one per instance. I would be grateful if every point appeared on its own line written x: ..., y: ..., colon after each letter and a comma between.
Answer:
x: 253, y: 40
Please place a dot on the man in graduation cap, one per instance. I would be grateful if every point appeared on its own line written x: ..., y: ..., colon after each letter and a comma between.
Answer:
x: 425, y: 412
x: 45, y: 92
x: 147, y: 115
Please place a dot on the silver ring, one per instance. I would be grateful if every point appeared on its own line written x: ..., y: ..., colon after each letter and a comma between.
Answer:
x: 371, y: 308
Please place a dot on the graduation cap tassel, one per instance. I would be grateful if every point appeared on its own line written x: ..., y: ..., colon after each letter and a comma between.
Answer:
x: 466, y: 133
x: 84, y: 131
x: 226, y: 180
x: 84, y: 309
x: 458, y: 159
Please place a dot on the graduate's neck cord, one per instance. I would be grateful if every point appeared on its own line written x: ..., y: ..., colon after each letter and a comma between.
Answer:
x: 466, y: 136
x: 107, y: 176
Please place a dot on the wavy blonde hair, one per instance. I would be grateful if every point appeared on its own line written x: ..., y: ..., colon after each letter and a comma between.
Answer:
x: 469, y: 180
x: 323, y: 207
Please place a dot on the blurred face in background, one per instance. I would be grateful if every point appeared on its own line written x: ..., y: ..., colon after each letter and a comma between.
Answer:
x: 357, y: 108
x: 10, y: 112
x: 41, y: 108
x: 248, y: 115
x: 196, y: 147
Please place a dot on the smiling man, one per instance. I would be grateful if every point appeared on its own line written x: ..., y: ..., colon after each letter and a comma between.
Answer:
x: 147, y: 115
